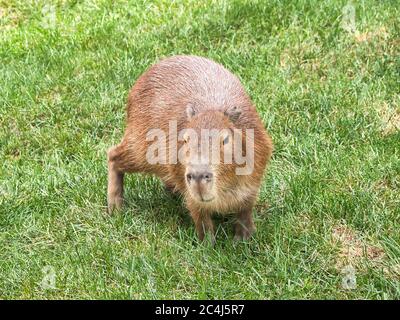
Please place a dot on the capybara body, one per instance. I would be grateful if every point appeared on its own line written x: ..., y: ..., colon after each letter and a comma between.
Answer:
x: 194, y: 94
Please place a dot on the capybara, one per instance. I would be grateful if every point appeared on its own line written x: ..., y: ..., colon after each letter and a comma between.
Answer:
x: 176, y: 101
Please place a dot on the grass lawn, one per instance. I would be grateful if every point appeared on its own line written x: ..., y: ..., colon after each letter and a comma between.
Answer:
x: 330, y: 201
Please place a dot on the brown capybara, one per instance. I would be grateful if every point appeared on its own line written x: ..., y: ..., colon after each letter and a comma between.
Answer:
x: 179, y: 101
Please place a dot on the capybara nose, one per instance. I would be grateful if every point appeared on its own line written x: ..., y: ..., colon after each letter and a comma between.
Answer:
x: 198, y: 177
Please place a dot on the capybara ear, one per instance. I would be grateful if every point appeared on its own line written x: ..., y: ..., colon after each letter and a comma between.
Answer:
x: 233, y: 113
x: 190, y: 110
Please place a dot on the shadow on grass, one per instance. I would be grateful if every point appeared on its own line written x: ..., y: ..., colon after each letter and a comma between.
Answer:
x: 159, y: 205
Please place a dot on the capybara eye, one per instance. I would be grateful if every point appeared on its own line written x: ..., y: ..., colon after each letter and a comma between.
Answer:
x: 189, y: 177
x: 208, y: 176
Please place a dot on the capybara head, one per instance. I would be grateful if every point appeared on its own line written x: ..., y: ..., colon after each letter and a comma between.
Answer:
x: 208, y: 146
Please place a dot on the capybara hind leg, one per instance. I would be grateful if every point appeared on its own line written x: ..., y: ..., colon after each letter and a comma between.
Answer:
x: 170, y: 188
x: 244, y: 226
x: 204, y: 225
x: 119, y: 162
x: 115, y: 181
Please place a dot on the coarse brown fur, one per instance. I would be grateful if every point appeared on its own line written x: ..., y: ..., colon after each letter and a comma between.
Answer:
x: 163, y: 93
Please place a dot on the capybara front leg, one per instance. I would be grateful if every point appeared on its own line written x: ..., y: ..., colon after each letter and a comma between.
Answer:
x: 204, y: 225
x: 244, y: 226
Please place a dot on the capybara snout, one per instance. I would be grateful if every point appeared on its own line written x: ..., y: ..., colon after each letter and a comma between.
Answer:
x: 200, y: 182
x: 191, y: 123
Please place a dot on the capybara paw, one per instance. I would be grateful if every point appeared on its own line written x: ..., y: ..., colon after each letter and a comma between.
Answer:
x: 243, y: 234
x: 115, y: 205
x: 208, y: 239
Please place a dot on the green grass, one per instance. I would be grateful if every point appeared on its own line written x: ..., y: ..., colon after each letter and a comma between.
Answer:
x: 330, y: 100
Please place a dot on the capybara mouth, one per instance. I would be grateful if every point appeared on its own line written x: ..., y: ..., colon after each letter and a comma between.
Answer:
x: 207, y: 200
x: 200, y: 198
